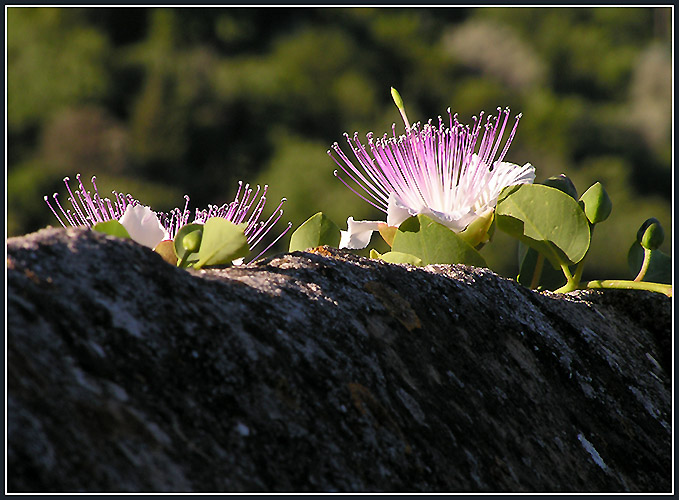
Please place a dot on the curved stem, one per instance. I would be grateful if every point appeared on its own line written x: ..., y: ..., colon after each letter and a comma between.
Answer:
x: 571, y: 282
x: 644, y: 265
x: 577, y: 276
x: 631, y: 285
x: 182, y: 261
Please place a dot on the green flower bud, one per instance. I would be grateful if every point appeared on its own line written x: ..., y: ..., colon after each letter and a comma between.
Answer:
x: 397, y: 98
x: 562, y: 183
x: 651, y: 234
x: 399, y: 104
x: 191, y: 242
x: 478, y: 232
x: 598, y: 205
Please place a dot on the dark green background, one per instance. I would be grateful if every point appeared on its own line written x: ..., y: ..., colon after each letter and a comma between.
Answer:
x: 165, y: 101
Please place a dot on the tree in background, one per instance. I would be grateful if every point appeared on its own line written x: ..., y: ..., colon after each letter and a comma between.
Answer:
x: 165, y: 101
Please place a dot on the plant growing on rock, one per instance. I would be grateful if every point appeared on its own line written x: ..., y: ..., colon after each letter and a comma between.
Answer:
x: 445, y: 189
x: 217, y: 235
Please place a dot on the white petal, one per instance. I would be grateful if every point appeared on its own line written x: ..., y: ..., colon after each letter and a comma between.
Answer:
x: 397, y: 212
x: 505, y: 174
x: 143, y: 225
x: 358, y: 233
x: 457, y: 221
x: 513, y: 174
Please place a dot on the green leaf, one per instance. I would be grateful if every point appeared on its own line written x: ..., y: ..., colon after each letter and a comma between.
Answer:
x: 659, y: 269
x: 185, y: 256
x: 316, y: 231
x: 113, y: 228
x: 222, y: 243
x: 434, y: 243
x: 546, y: 219
x: 396, y: 258
x: 598, y: 205
x: 563, y: 184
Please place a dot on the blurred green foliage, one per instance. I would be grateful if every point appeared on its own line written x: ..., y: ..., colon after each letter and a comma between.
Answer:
x: 160, y: 102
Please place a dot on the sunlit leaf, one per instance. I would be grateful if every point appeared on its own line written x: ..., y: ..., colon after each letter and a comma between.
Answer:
x: 113, y: 228
x: 434, y: 243
x: 396, y: 258
x: 546, y: 219
x: 222, y: 243
x: 316, y: 231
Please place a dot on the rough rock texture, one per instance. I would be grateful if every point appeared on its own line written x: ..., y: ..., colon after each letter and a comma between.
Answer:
x: 323, y: 372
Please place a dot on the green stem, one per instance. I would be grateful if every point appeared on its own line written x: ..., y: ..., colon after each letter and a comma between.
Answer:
x: 182, y: 261
x: 539, y: 263
x: 631, y: 285
x: 644, y: 265
x: 578, y: 271
x: 571, y: 283
x: 581, y: 265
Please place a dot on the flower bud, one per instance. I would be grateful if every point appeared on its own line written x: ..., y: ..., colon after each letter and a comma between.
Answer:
x: 401, y: 107
x: 598, y: 205
x: 191, y: 242
x: 477, y: 232
x: 397, y: 98
x: 562, y: 183
x: 651, y: 234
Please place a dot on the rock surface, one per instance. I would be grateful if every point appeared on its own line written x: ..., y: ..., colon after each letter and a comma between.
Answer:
x: 323, y: 372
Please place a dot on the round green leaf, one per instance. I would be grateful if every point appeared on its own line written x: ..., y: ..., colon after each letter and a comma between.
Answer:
x: 222, y: 243
x: 545, y: 219
x: 113, y: 228
x: 563, y: 184
x: 434, y: 243
x: 318, y: 230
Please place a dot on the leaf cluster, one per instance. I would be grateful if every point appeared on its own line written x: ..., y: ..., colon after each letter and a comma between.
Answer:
x: 216, y: 242
x: 551, y: 223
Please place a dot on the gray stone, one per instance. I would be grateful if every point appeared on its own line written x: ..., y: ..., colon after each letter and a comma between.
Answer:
x: 324, y: 372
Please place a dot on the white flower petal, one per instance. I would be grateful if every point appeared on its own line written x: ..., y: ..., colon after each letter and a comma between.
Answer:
x: 358, y: 233
x: 504, y: 174
x: 457, y: 221
x: 143, y: 225
x: 397, y: 212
